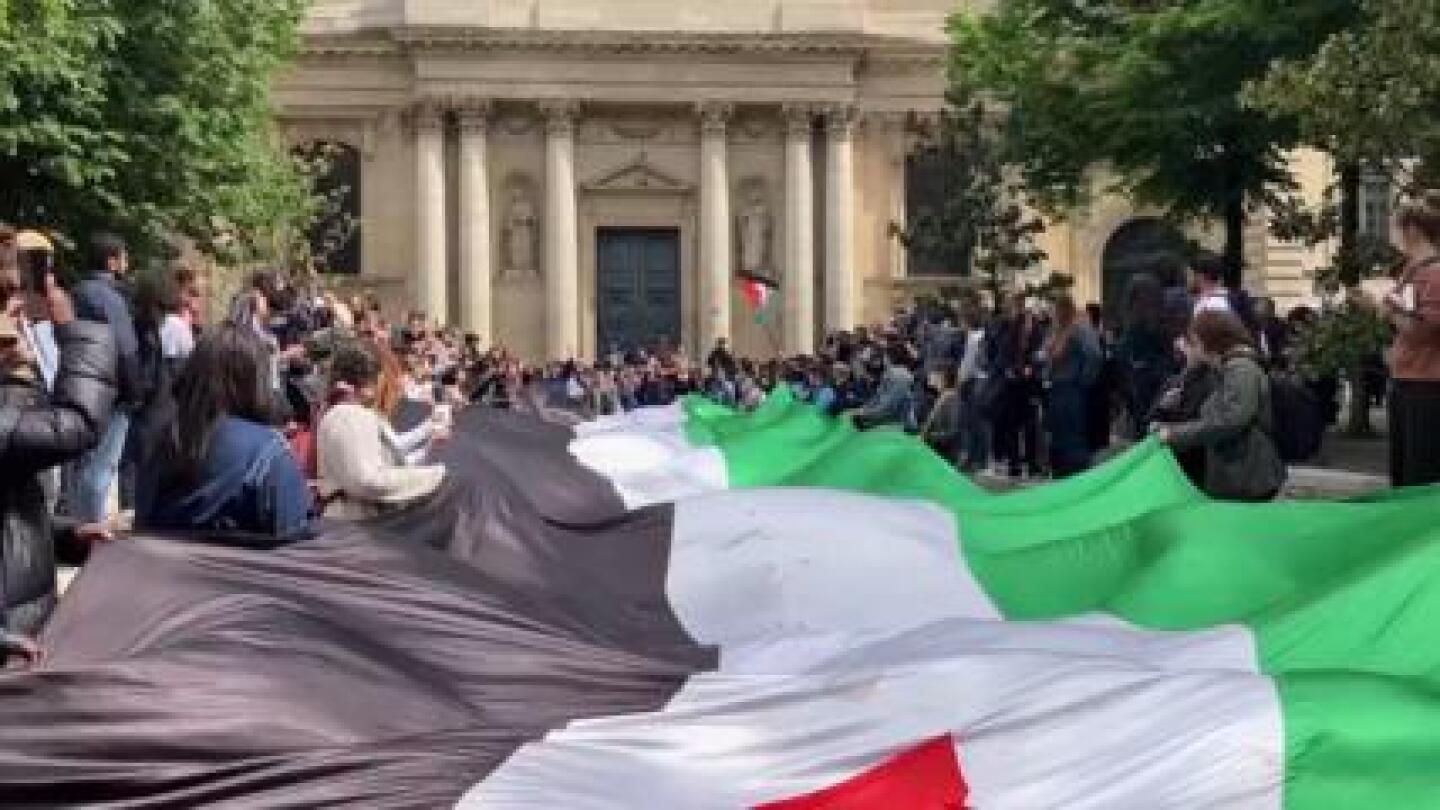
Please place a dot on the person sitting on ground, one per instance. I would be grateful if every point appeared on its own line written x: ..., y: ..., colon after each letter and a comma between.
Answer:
x: 942, y: 428
x: 361, y: 473
x: 1235, y: 423
x: 894, y: 393
x: 217, y: 464
x: 37, y: 432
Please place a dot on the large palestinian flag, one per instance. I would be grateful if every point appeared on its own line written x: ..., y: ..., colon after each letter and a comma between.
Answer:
x: 691, y: 608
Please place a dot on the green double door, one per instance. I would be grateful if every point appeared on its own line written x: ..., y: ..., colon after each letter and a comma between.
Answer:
x: 637, y: 275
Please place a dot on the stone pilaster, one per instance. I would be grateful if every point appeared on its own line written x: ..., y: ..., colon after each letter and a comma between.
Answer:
x: 840, y: 302
x: 476, y: 276
x: 428, y: 119
x: 561, y: 234
x: 798, y: 281
x: 894, y: 129
x: 715, y: 229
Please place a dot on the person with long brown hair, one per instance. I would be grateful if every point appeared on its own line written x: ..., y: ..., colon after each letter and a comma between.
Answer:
x: 216, y: 464
x: 1235, y: 425
x: 1072, y: 365
x: 1414, y: 307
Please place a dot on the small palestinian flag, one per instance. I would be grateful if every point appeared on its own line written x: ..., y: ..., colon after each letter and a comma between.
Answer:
x: 758, y: 293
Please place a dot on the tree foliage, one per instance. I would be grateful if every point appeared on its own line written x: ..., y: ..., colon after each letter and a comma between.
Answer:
x: 979, y: 225
x: 151, y: 117
x: 1345, y: 336
x: 1370, y: 93
x: 1145, y: 94
x: 1370, y: 97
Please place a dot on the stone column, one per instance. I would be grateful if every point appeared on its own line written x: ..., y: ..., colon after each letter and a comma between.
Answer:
x: 798, y: 287
x: 715, y: 229
x: 897, y: 143
x: 475, y: 249
x: 840, y: 218
x: 430, y: 247
x: 561, y: 236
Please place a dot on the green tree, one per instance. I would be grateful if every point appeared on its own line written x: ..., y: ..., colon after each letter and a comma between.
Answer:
x: 151, y: 117
x: 1369, y: 97
x: 1370, y: 94
x: 978, y: 226
x: 1145, y: 94
x: 1346, y: 335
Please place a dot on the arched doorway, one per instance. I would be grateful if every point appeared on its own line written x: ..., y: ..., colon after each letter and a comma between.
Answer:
x: 334, y: 237
x: 1147, y: 245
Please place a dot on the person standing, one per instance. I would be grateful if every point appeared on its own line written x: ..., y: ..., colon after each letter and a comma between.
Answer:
x: 39, y: 431
x: 973, y: 379
x: 1414, y: 307
x: 1072, y: 365
x: 1145, y: 353
x: 1208, y: 283
x: 102, y: 298
x: 1235, y: 425
x: 1013, y: 356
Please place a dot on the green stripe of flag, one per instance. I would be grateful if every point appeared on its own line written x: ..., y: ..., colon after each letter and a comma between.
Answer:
x: 1342, y: 597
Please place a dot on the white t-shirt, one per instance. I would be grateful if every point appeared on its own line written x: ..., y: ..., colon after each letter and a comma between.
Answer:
x: 177, y: 339
x: 1214, y: 301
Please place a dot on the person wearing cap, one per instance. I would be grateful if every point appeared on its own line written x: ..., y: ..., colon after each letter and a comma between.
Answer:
x: 33, y: 249
x: 38, y: 432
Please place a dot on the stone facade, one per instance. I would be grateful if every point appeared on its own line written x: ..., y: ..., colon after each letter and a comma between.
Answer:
x: 502, y: 139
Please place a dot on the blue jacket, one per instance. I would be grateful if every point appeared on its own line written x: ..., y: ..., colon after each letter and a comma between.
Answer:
x: 250, y: 483
x: 100, y: 299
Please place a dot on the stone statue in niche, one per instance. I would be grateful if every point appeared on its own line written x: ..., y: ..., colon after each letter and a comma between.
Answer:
x: 521, y: 234
x: 754, y: 226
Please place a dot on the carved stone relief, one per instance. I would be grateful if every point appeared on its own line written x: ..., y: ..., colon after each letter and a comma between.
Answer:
x: 754, y: 225
x: 520, y: 231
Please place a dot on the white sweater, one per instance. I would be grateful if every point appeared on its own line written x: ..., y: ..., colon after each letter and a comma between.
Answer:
x: 357, y: 461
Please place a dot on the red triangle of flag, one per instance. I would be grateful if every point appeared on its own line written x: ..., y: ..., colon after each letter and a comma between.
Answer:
x: 755, y: 292
x: 926, y: 777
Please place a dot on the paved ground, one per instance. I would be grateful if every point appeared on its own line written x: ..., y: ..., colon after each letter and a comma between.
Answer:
x: 1346, y: 467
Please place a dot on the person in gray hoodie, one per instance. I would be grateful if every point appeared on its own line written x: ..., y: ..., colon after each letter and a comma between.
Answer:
x: 1235, y: 424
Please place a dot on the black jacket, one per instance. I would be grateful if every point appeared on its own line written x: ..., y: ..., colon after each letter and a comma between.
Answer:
x: 103, y: 299
x: 36, y: 435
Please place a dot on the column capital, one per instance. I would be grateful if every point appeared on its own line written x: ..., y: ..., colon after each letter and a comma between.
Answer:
x: 474, y: 114
x: 427, y: 114
x: 840, y: 120
x: 714, y: 116
x: 799, y: 119
x: 560, y: 115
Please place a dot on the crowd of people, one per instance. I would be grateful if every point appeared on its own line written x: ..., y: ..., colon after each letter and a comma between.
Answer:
x: 298, y: 402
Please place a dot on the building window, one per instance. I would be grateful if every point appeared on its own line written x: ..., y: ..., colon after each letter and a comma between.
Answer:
x: 334, y: 238
x: 1377, y: 196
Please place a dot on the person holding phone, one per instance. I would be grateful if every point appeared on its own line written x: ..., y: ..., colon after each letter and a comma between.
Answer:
x: 39, y: 430
x: 1414, y: 308
x: 35, y: 261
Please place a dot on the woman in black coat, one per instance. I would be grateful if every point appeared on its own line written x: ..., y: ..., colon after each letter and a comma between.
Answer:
x: 37, y: 433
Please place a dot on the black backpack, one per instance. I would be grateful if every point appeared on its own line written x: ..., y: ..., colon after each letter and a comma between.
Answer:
x: 1299, y: 424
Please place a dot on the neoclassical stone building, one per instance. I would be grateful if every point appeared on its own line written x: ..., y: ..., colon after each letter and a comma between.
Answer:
x: 564, y: 176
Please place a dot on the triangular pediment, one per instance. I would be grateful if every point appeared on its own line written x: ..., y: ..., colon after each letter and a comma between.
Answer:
x: 638, y: 175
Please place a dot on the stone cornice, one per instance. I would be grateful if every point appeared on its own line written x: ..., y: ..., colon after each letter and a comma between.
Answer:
x: 893, y: 52
x: 648, y: 42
